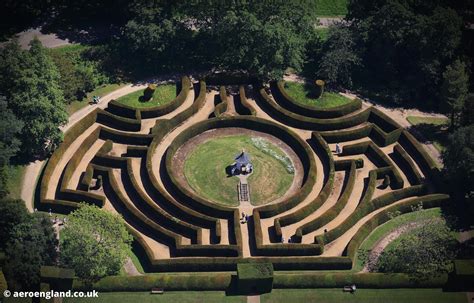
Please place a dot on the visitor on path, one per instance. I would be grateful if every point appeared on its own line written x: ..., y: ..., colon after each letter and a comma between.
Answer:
x: 353, y: 288
x: 282, y: 239
x: 338, y: 149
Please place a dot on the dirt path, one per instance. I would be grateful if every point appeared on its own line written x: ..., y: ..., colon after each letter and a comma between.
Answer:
x: 29, y: 183
x: 130, y: 268
x: 48, y: 40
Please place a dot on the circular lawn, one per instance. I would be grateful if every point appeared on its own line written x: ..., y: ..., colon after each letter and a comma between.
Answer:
x: 206, y: 169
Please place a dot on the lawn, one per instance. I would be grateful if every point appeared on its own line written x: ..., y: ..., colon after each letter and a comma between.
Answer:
x: 322, y: 33
x: 364, y: 295
x: 163, y: 94
x: 384, y: 229
x: 301, y: 93
x: 171, y: 297
x: 331, y: 8
x: 205, y: 170
x: 430, y: 129
x: 99, y: 91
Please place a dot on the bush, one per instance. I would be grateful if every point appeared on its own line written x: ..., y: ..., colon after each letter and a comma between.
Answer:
x: 148, y: 92
x: 254, y: 277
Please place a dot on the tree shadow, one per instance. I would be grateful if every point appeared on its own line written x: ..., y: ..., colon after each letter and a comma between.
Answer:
x: 429, y: 133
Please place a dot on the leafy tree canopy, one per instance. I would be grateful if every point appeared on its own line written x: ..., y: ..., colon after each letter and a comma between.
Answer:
x: 32, y: 244
x: 94, y: 243
x: 31, y: 84
x: 12, y: 213
x: 10, y: 127
x: 458, y: 161
x: 406, y: 44
x: 426, y: 250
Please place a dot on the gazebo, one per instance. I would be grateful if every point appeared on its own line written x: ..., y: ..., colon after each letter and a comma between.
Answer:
x: 242, y: 164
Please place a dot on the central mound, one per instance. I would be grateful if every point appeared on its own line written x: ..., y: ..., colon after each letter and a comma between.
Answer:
x: 207, y: 169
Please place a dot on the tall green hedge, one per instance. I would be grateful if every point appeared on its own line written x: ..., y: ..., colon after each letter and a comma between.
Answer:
x: 287, y: 102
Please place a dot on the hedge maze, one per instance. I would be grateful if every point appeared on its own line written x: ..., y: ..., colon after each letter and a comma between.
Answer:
x: 122, y: 158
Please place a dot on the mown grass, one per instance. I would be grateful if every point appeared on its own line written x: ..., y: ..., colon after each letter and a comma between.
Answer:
x: 384, y: 229
x: 331, y: 8
x: 322, y: 33
x: 302, y: 93
x: 363, y: 295
x: 168, y: 296
x: 430, y: 130
x: 163, y: 94
x: 205, y: 171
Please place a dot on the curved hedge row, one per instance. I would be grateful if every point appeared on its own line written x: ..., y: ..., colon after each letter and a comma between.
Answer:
x: 248, y: 122
x: 222, y: 106
x: 118, y: 122
x: 428, y: 201
x: 125, y: 138
x: 411, y: 171
x: 334, y: 211
x: 299, y: 121
x: 281, y: 249
x: 146, y: 205
x: 286, y: 101
x: 378, y: 157
x: 130, y: 112
x: 72, y: 134
x: 141, y: 222
x: 243, y: 107
x: 366, y: 208
x: 421, y: 157
x: 311, y: 207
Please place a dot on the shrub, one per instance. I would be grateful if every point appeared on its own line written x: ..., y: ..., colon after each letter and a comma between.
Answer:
x: 149, y: 92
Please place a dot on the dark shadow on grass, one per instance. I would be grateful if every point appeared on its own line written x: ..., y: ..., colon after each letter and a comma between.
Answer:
x: 429, y: 133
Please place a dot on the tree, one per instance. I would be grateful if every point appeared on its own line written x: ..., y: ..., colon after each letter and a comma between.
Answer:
x: 339, y: 57
x: 32, y: 244
x: 405, y: 45
x: 35, y: 97
x: 455, y: 90
x: 10, y: 127
x: 426, y: 250
x: 12, y: 213
x: 458, y: 161
x: 94, y: 243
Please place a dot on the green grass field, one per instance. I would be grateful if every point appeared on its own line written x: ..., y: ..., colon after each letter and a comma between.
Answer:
x: 205, y: 170
x: 322, y: 33
x: 391, y: 225
x: 433, y: 129
x: 331, y: 8
x: 163, y: 94
x: 364, y: 295
x: 301, y: 93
